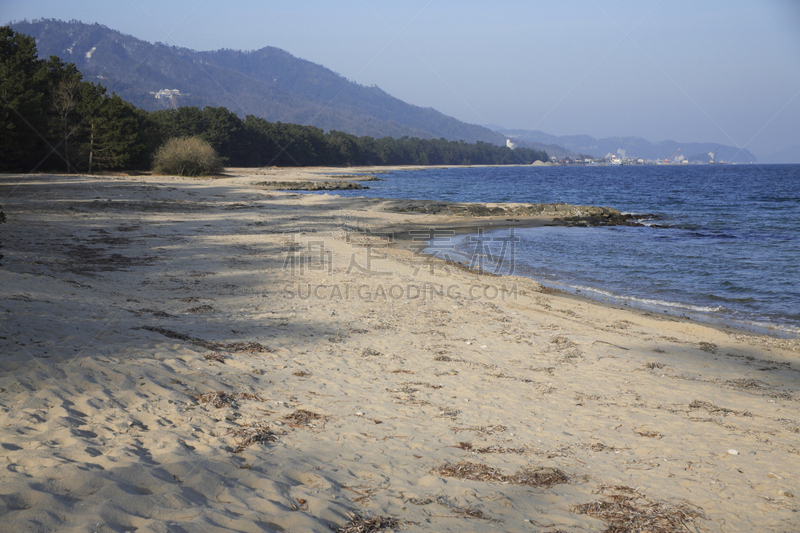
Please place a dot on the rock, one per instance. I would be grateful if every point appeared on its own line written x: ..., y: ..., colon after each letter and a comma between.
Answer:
x: 309, y: 185
x: 568, y: 214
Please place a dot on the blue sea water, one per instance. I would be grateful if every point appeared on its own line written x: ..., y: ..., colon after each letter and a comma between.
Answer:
x: 728, y: 250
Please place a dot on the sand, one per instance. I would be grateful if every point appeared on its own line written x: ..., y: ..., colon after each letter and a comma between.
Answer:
x: 205, y: 355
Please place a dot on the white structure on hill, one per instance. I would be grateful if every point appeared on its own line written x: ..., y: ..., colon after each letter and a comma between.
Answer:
x: 167, y: 93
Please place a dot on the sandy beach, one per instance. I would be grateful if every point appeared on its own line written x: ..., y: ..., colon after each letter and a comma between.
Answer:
x: 202, y: 355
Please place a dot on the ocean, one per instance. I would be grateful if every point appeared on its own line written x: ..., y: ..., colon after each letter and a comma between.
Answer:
x: 723, y: 247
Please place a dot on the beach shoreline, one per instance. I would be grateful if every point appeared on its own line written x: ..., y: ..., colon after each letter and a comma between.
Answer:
x: 211, y: 355
x: 411, y: 235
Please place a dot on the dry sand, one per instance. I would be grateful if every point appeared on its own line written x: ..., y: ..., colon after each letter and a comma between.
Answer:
x: 202, y: 355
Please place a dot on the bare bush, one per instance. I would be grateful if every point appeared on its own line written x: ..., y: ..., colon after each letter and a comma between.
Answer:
x: 187, y: 156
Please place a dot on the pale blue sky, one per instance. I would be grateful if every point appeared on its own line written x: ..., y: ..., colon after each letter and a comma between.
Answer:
x: 724, y: 71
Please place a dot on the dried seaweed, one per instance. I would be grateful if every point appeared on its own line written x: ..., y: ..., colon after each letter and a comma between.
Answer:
x: 490, y: 449
x: 218, y: 399
x: 424, y: 384
x: 369, y: 524
x: 462, y: 511
x: 214, y: 356
x: 250, y: 434
x: 405, y: 389
x: 168, y: 333
x: 302, y: 374
x: 245, y: 347
x: 469, y: 511
x: 562, y: 343
x: 628, y: 511
x: 364, y: 492
x: 540, y: 477
x: 746, y: 384
x: 600, y: 447
x: 448, y: 359
x: 248, y: 396
x: 481, y: 430
x: 471, y: 471
x: 709, y: 347
x: 711, y: 408
x: 199, y: 309
x: 236, y: 347
x: 221, y: 399
x: 155, y: 312
x: 301, y: 417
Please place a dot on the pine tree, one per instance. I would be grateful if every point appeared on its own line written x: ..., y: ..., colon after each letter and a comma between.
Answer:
x: 109, y: 136
x: 23, y: 119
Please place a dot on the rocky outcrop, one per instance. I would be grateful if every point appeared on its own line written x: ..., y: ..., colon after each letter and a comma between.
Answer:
x: 309, y: 185
x: 355, y: 177
x: 578, y: 215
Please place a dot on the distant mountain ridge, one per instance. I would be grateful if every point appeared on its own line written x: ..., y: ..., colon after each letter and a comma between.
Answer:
x: 269, y: 83
x: 272, y: 84
x: 635, y: 147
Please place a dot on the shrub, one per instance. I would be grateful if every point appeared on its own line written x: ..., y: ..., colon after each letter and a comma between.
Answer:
x: 187, y: 156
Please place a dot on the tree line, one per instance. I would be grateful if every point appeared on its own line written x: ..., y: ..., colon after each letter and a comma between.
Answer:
x: 53, y: 120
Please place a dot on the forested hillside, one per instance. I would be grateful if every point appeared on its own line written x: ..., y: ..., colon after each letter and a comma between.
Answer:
x: 268, y: 83
x: 52, y: 119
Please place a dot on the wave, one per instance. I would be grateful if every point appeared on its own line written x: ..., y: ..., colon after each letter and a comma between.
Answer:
x: 651, y: 302
x: 719, y: 315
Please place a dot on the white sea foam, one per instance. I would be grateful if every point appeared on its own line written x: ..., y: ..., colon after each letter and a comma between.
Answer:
x: 716, y: 315
x: 650, y: 302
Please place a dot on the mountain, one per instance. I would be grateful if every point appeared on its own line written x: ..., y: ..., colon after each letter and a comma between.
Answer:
x: 635, y: 147
x: 268, y: 83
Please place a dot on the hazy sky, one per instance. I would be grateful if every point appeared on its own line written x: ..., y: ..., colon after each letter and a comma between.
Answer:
x: 724, y: 71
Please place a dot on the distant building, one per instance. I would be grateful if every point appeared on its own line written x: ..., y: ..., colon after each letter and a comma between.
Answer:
x: 167, y: 93
x: 168, y: 97
x: 510, y: 144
